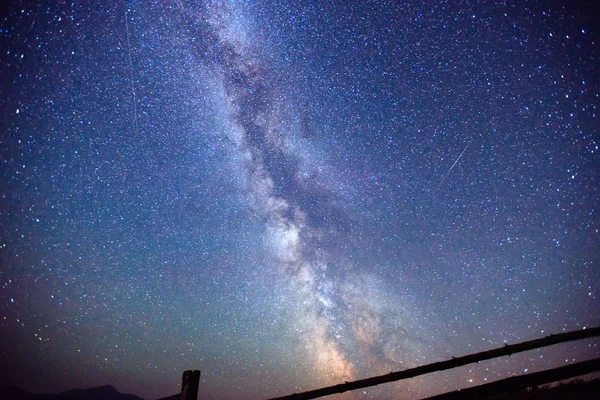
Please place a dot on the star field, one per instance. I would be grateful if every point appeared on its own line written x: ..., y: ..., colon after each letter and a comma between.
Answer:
x: 288, y: 195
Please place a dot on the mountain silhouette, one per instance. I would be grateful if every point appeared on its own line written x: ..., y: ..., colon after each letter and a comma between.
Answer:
x: 99, y: 393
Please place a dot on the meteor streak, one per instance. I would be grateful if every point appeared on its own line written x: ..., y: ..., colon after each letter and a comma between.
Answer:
x: 452, y: 167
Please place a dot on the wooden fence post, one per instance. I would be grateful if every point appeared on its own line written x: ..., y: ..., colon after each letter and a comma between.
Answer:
x: 189, y: 385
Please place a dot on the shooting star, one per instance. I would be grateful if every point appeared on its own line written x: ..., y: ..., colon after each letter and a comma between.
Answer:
x: 452, y: 167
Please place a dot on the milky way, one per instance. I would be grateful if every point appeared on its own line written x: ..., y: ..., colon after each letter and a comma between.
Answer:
x: 288, y: 196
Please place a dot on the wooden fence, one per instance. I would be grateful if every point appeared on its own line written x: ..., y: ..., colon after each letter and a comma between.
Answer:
x: 191, y: 379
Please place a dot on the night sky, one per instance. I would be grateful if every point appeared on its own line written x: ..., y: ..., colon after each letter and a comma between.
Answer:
x: 287, y: 195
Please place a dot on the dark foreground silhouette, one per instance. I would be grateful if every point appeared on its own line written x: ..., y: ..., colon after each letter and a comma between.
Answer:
x: 577, y: 389
x: 99, y: 393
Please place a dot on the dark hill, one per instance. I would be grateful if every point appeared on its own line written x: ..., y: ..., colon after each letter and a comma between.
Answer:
x: 100, y: 393
x: 576, y: 389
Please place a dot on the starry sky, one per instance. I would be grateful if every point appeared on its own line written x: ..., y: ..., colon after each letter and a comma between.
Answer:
x: 293, y: 194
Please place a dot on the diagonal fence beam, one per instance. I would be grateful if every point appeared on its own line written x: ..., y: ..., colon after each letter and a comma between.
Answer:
x: 507, y: 350
x: 516, y: 383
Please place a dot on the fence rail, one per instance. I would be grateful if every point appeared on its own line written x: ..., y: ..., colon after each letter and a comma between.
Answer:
x: 444, y: 365
x: 516, y: 383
